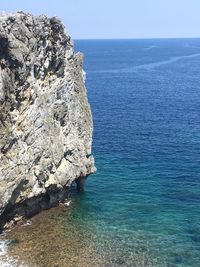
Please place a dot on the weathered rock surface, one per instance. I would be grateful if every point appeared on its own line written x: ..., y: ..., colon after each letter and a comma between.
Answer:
x: 45, y: 119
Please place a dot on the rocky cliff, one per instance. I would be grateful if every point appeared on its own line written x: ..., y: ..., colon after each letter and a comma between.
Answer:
x: 45, y: 119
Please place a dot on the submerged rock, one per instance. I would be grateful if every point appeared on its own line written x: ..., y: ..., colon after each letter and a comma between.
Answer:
x: 45, y: 119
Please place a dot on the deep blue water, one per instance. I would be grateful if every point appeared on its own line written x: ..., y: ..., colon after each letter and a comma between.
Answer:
x: 145, y: 99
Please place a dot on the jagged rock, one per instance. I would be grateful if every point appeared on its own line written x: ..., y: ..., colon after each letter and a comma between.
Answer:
x: 45, y: 119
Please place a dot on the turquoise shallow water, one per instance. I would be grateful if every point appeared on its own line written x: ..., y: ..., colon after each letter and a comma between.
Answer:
x: 142, y: 207
x: 145, y: 97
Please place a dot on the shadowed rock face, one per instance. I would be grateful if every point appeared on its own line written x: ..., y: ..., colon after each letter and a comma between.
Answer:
x: 45, y: 119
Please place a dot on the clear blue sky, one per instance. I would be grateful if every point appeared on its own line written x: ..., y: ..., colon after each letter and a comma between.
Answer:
x: 96, y: 19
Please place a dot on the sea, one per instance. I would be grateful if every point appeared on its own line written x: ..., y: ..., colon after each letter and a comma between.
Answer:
x: 142, y: 206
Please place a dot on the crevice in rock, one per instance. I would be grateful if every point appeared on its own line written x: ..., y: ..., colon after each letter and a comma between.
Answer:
x: 8, y: 146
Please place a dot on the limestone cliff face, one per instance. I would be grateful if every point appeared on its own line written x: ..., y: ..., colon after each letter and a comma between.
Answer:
x: 45, y: 119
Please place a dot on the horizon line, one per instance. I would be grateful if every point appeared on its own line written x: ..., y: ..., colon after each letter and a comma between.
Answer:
x: 145, y: 38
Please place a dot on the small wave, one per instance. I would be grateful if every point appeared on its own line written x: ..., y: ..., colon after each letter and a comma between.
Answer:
x: 148, y: 66
x: 164, y: 62
x: 5, y: 260
x: 192, y: 46
x: 150, y: 47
